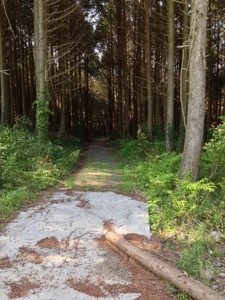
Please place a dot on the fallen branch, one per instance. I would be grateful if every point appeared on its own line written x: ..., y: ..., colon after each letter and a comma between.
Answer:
x: 192, y: 287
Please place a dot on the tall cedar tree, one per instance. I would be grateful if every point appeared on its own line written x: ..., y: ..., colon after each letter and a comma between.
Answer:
x: 196, y: 104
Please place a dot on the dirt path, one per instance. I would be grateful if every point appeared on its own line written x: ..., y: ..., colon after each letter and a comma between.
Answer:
x: 98, y: 170
x: 56, y: 249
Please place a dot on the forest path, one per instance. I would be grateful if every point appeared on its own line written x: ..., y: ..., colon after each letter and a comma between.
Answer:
x: 56, y: 250
x: 98, y: 171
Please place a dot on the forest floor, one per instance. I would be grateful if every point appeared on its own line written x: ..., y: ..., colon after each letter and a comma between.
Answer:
x: 56, y: 250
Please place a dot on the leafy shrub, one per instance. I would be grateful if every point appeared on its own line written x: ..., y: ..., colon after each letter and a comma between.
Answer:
x: 13, y: 200
x: 172, y: 202
x: 213, y: 159
x: 159, y: 133
x: 139, y: 149
x: 27, y: 166
x: 196, y: 259
x: 197, y: 253
x: 23, y: 122
x: 129, y: 150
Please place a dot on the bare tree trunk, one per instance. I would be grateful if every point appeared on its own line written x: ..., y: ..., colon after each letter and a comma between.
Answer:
x: 136, y: 74
x: 42, y: 112
x: 126, y: 108
x: 110, y: 80
x: 63, y: 130
x: 196, y: 105
x: 120, y: 94
x: 87, y: 104
x: 62, y: 75
x: 21, y: 63
x: 3, y: 75
x: 184, y: 75
x: 170, y: 79
x: 148, y: 62
x: 158, y: 101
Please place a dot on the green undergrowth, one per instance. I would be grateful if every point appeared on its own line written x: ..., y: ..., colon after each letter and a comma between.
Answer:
x: 28, y: 166
x: 186, y: 210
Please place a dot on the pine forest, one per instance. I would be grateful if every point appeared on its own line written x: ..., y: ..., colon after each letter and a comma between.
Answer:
x: 147, y: 74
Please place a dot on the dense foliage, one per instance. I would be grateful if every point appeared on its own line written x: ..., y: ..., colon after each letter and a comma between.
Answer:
x: 27, y: 166
x: 174, y: 202
x: 185, y: 209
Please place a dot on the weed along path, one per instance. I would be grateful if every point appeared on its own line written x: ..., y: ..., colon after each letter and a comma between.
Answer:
x: 56, y: 249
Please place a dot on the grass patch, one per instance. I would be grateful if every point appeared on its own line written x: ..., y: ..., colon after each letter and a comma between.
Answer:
x: 27, y: 167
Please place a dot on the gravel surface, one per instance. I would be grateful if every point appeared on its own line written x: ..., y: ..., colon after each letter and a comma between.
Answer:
x: 56, y: 249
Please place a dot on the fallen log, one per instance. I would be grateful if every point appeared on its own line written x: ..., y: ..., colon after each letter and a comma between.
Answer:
x: 192, y: 287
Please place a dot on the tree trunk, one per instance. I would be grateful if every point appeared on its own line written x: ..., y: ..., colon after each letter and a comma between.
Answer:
x: 21, y: 61
x: 87, y: 104
x: 62, y: 75
x: 136, y: 74
x: 63, y: 129
x: 184, y: 76
x: 148, y: 62
x: 110, y: 79
x: 42, y: 112
x: 197, y: 82
x: 120, y: 94
x: 158, y: 103
x: 126, y: 110
x: 3, y: 75
x: 170, y: 79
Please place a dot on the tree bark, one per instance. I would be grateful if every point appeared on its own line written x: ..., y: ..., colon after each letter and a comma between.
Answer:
x: 120, y: 65
x: 192, y: 287
x: 184, y: 75
x: 197, y: 82
x: 3, y: 75
x: 42, y: 102
x: 158, y: 76
x: 21, y: 61
x: 170, y: 79
x: 110, y: 77
x: 148, y: 62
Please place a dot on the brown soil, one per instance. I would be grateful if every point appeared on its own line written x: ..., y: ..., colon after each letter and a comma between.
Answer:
x: 21, y: 289
x: 31, y: 255
x: 49, y: 243
x: 5, y: 263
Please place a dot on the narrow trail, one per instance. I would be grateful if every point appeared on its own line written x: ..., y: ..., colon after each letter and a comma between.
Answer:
x: 98, y: 171
x: 56, y: 250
